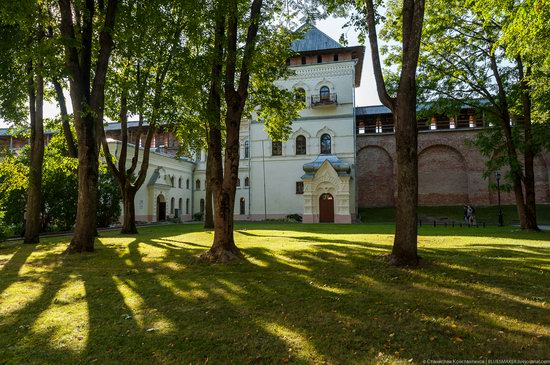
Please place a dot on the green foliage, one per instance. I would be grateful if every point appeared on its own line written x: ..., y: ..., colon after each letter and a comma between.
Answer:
x: 109, y: 197
x: 59, y: 189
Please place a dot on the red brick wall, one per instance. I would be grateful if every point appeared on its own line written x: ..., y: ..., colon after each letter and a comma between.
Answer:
x: 450, y: 171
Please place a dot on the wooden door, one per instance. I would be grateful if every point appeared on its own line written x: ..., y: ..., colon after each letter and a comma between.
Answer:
x: 326, y: 208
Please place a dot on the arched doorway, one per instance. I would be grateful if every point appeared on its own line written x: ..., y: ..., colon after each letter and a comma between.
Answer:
x: 161, y: 208
x: 326, y: 208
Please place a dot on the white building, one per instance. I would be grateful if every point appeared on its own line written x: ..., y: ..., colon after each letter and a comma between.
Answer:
x: 312, y: 174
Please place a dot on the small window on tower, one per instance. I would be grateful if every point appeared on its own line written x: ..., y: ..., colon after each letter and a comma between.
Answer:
x: 335, y: 57
x: 299, y: 187
x: 303, y: 60
x: 319, y: 59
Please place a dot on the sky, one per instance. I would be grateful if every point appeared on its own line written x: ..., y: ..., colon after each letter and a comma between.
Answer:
x: 333, y: 27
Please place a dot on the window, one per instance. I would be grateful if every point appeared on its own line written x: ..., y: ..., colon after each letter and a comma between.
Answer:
x: 238, y: 182
x: 179, y: 182
x: 246, y: 149
x: 187, y: 184
x: 299, y: 187
x: 336, y: 57
x: 198, y: 184
x: 319, y: 59
x: 276, y: 148
x: 300, y: 145
x: 187, y: 206
x: 303, y: 60
x: 172, y: 204
x: 202, y: 206
x: 246, y: 182
x: 326, y: 147
x: 242, y: 207
x: 172, y: 178
x: 324, y: 93
x: 180, y: 207
x: 301, y: 95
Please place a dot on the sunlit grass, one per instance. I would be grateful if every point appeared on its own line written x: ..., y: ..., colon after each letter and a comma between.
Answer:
x: 307, y: 294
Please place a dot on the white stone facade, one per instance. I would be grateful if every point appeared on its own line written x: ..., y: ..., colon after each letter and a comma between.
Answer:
x: 316, y: 179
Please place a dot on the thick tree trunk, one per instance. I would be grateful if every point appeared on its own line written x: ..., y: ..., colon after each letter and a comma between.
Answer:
x: 88, y: 163
x: 88, y: 99
x: 208, y: 211
x: 404, y: 250
x: 515, y: 168
x: 529, y: 153
x: 129, y: 220
x: 224, y: 249
x: 34, y: 195
x: 403, y: 107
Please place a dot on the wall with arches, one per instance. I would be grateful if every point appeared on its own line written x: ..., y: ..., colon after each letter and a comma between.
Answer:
x: 451, y: 171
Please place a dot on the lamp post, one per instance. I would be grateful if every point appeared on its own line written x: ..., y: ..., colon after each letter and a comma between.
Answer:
x: 500, y: 218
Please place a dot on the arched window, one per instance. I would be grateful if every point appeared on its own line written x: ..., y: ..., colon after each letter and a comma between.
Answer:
x: 187, y: 206
x: 300, y: 145
x: 246, y: 182
x: 187, y: 184
x: 300, y: 94
x: 326, y: 145
x: 172, y: 205
x: 202, y: 206
x: 172, y: 178
x: 179, y: 182
x: 242, y: 210
x: 180, y: 207
x: 246, y: 149
x: 324, y: 93
x: 238, y: 182
x: 198, y: 184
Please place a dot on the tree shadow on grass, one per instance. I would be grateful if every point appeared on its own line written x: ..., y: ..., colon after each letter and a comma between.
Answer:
x: 334, y: 301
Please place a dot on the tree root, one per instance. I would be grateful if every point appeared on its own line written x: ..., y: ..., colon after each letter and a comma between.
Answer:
x: 221, y: 256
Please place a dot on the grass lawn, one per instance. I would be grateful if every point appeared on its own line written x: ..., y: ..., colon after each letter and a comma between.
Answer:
x: 489, y: 215
x: 308, y: 294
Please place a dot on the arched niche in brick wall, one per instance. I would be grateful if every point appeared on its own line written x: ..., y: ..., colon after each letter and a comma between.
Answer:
x: 542, y: 185
x: 375, y: 180
x: 443, y: 177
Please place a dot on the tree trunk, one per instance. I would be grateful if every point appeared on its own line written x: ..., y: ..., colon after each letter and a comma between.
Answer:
x: 88, y: 98
x: 404, y: 250
x: 129, y: 220
x: 224, y: 249
x: 529, y: 153
x: 34, y: 195
x: 515, y: 168
x: 88, y: 173
x: 208, y: 212
x: 403, y: 107
x: 71, y: 146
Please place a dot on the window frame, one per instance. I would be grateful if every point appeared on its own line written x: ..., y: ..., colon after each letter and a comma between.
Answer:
x: 299, y: 187
x: 278, y: 149
x: 324, y: 138
x: 301, y: 145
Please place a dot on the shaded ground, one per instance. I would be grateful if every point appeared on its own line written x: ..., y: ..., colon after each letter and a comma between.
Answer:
x: 307, y: 294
